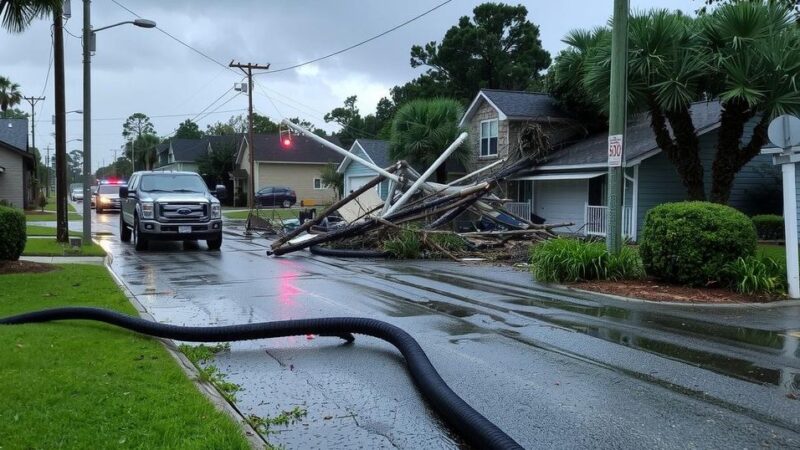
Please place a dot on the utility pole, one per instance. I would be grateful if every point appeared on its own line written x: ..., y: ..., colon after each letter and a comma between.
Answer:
x: 62, y: 226
x: 616, y: 124
x: 47, y: 164
x: 33, y: 101
x: 248, y: 70
x: 87, y: 123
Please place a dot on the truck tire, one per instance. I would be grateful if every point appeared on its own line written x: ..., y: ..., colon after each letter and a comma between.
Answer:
x: 138, y: 242
x: 124, y: 231
x: 214, y: 244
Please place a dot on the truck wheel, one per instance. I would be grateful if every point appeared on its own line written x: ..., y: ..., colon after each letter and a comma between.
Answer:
x: 124, y: 231
x: 138, y: 242
x: 287, y: 203
x: 214, y: 244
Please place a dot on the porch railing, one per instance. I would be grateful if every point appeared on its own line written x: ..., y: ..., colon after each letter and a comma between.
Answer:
x: 519, y: 209
x: 595, y: 218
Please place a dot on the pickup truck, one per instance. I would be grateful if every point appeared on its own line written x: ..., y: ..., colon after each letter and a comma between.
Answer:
x: 172, y: 206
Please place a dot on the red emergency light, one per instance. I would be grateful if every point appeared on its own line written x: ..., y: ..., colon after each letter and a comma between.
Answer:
x: 285, y: 137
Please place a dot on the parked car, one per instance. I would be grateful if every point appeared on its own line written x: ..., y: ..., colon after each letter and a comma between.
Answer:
x: 94, y: 194
x: 276, y: 196
x: 77, y: 195
x: 171, y: 206
x: 107, y: 197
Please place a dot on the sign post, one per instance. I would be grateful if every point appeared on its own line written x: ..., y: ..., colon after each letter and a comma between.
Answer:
x: 784, y: 132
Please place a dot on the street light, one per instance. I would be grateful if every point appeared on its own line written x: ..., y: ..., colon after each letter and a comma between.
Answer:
x: 89, y: 45
x: 76, y: 111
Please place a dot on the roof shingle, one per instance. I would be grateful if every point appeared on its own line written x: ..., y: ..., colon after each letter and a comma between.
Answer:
x: 14, y: 132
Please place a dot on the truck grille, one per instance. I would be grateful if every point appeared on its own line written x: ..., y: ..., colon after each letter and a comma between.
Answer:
x: 182, y: 212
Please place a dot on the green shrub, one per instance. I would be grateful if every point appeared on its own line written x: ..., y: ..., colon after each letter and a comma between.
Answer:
x: 754, y: 275
x: 405, y: 245
x: 448, y: 241
x: 12, y: 233
x: 569, y: 260
x: 691, y: 242
x: 769, y: 227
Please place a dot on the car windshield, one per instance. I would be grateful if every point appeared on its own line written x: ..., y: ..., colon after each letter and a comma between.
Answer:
x: 172, y: 183
x: 108, y: 190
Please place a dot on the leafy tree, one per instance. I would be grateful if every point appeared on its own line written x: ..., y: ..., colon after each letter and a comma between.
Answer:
x: 308, y: 126
x: 188, y: 130
x: 221, y: 129
x: 497, y: 48
x: 13, y: 113
x: 136, y: 125
x: 333, y: 179
x: 216, y: 166
x: 423, y: 129
x: 354, y: 126
x: 9, y: 94
x: 75, y: 166
x: 143, y: 148
x: 119, y: 168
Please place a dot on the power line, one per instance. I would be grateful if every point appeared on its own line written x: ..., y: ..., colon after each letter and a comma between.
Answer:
x: 212, y: 103
x: 379, y: 35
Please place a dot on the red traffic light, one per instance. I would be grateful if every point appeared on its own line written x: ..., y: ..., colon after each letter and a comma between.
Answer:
x: 286, y: 142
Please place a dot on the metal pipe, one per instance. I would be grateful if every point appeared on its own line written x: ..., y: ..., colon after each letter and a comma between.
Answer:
x: 481, y: 170
x: 340, y: 150
x: 790, y: 224
x: 439, y: 161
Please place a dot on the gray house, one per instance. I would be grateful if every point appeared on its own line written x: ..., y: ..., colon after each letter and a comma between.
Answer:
x: 16, y: 163
x: 181, y: 154
x: 570, y: 184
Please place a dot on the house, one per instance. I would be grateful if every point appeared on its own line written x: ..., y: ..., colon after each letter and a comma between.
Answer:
x: 297, y: 166
x: 570, y: 184
x: 356, y: 174
x: 16, y: 163
x: 181, y: 154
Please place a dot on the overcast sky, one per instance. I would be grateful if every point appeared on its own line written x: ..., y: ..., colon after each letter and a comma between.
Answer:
x: 143, y: 70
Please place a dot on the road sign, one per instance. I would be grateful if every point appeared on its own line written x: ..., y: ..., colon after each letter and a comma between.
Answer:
x: 784, y: 131
x: 615, y: 150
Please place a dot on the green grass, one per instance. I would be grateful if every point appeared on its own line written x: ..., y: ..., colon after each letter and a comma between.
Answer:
x: 91, y: 385
x: 776, y: 252
x: 38, y: 230
x: 38, y: 216
x: 51, y: 247
x: 199, y: 355
x: 279, y: 213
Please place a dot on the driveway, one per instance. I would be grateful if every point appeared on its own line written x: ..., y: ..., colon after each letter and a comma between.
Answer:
x: 553, y: 370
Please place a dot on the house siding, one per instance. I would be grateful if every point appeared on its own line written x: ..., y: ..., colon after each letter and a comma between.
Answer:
x: 356, y: 169
x: 486, y: 112
x: 12, y: 181
x: 299, y: 177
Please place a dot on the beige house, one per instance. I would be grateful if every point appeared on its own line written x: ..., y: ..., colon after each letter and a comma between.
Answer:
x: 16, y: 163
x: 297, y: 166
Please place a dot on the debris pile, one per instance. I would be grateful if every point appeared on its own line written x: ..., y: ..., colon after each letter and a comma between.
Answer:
x: 460, y: 219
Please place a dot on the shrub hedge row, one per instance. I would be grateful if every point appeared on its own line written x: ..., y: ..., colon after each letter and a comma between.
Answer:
x: 769, y: 227
x: 12, y: 233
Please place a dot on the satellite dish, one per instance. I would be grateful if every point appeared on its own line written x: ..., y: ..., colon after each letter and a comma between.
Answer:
x: 784, y: 131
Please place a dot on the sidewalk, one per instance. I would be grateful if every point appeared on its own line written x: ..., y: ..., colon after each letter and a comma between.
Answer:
x: 95, y: 260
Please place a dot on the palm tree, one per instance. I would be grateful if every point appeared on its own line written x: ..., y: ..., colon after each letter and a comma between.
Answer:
x: 332, y: 179
x: 422, y: 129
x: 10, y: 95
x: 16, y: 15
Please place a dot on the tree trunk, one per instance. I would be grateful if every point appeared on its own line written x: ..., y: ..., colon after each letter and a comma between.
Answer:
x: 730, y: 157
x: 683, y: 151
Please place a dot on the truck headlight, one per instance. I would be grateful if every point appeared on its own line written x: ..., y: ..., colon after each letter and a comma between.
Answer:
x: 215, y: 211
x: 147, y: 210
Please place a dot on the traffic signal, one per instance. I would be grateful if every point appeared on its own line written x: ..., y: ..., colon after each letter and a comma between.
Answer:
x: 285, y: 136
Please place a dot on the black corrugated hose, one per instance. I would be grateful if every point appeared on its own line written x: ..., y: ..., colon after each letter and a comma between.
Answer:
x: 476, y: 429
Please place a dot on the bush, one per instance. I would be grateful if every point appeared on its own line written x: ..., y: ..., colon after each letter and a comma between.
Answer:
x: 769, y: 227
x: 12, y: 234
x: 691, y: 242
x: 753, y: 275
x: 405, y: 245
x: 570, y: 260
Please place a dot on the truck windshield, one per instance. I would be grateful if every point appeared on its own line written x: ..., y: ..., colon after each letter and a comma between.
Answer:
x: 173, y: 183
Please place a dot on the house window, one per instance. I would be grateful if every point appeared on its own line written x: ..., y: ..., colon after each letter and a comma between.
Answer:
x: 489, y: 137
x: 318, y: 183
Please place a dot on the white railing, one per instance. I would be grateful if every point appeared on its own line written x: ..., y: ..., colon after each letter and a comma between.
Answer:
x: 595, y: 218
x: 519, y: 209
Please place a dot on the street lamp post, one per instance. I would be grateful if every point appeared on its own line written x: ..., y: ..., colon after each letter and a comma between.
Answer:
x: 88, y: 47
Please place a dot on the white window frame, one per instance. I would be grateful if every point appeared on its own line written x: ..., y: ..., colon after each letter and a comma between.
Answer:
x: 488, y: 153
x: 321, y: 185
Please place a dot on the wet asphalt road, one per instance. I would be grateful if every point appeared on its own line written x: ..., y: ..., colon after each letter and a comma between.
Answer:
x: 552, y: 370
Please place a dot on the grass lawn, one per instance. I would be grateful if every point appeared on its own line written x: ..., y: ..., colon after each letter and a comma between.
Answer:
x: 37, y: 230
x: 51, y: 247
x: 776, y: 252
x: 279, y: 213
x: 91, y: 385
x: 38, y: 216
x: 51, y: 205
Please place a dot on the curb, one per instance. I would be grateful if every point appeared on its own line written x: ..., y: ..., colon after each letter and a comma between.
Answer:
x: 770, y: 305
x: 256, y: 440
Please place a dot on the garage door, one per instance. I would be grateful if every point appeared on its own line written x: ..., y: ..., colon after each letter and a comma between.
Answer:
x: 354, y: 183
x: 559, y: 201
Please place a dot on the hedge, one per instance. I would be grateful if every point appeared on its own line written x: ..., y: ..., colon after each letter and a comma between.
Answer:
x: 692, y: 242
x: 12, y: 233
x: 769, y: 227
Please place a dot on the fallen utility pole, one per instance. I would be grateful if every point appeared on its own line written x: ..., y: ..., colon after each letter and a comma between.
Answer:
x: 251, y: 146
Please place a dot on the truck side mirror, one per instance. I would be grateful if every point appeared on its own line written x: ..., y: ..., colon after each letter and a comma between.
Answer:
x: 123, y: 192
x: 220, y: 192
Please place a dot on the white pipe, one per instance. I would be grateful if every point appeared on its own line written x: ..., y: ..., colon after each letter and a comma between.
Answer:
x: 340, y: 150
x: 790, y: 224
x: 439, y: 161
x: 470, y: 175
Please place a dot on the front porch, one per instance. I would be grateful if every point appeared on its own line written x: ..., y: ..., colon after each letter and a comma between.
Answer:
x: 596, y: 221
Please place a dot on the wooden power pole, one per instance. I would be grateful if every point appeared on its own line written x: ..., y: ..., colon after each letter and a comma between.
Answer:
x: 62, y: 225
x: 248, y: 70
x: 616, y: 124
x: 33, y: 101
